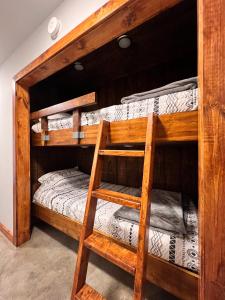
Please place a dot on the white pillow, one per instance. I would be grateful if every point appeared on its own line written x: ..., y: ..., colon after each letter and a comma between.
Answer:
x: 54, y: 176
x: 59, y: 116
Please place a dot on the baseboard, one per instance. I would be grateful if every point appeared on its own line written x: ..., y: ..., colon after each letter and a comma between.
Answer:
x: 6, y: 232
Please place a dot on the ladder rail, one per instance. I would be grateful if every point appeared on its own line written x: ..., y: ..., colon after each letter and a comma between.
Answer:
x: 89, y: 241
x: 143, y: 235
x: 90, y: 210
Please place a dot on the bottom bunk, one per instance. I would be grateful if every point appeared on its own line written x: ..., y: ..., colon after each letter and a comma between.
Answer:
x: 60, y: 201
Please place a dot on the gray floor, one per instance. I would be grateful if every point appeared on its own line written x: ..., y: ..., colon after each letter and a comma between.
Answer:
x: 43, y: 269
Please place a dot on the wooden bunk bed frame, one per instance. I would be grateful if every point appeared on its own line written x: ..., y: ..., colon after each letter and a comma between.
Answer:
x: 159, y: 272
x: 118, y: 17
x: 177, y: 127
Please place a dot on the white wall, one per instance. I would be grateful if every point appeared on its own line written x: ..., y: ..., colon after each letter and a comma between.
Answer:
x: 71, y: 13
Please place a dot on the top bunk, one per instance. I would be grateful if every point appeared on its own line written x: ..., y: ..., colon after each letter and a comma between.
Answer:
x: 156, y: 53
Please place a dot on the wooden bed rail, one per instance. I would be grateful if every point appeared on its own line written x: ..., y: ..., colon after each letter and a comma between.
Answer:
x: 174, y: 279
x: 82, y: 101
x: 73, y: 104
x: 178, y: 127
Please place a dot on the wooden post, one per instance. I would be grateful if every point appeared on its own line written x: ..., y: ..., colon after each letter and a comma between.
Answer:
x: 44, y: 130
x: 90, y: 210
x: 143, y: 235
x: 76, y: 123
x: 21, y: 161
x: 211, y: 57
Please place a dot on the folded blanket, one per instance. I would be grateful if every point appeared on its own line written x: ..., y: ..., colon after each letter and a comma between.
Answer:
x: 174, y: 87
x: 166, y: 212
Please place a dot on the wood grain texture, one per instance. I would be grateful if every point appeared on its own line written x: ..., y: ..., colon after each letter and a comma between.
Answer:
x: 126, y: 153
x: 76, y: 124
x: 90, y: 35
x: 159, y: 272
x: 44, y: 130
x: 127, y: 71
x: 6, y: 232
x: 85, y: 100
x: 21, y: 230
x: 176, y: 168
x: 119, y: 198
x: 178, y: 127
x: 90, y: 210
x: 102, y: 246
x: 144, y: 222
x: 211, y: 32
x: 110, y: 250
x: 88, y: 293
x: 51, y: 159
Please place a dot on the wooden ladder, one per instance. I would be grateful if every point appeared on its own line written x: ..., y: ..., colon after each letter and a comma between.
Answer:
x: 130, y: 261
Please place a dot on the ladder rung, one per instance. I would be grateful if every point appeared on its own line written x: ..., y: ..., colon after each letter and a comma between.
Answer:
x: 119, y: 198
x: 88, y: 293
x: 128, y: 153
x: 112, y: 251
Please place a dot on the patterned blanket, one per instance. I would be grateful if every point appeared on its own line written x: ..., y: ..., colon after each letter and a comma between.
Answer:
x: 67, y: 196
x: 166, y: 104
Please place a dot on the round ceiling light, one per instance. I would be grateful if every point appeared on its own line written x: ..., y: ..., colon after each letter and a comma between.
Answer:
x: 124, y: 41
x: 78, y: 66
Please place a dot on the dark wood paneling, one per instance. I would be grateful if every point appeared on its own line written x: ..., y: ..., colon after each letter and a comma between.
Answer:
x: 51, y: 159
x: 91, y: 34
x: 162, y: 50
x: 177, y: 127
x: 85, y: 100
x: 176, y: 168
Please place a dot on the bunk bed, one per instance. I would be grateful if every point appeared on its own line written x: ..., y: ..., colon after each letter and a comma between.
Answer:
x: 66, y: 215
x: 76, y: 131
x: 176, y: 127
x: 43, y: 89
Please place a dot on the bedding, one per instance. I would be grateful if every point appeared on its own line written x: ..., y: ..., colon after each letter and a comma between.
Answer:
x: 171, y: 88
x: 59, y: 116
x: 167, y: 104
x: 166, y: 212
x: 67, y: 196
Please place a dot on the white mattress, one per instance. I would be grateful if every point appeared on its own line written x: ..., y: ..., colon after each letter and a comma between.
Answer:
x: 67, y: 196
x: 167, y: 104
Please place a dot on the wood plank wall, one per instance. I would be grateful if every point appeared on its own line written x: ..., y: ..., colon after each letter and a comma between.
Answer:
x: 175, y: 168
x: 50, y: 159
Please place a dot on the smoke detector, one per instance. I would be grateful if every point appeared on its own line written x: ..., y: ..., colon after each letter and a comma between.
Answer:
x: 54, y: 26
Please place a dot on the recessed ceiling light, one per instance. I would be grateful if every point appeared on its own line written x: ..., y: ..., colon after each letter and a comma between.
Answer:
x: 124, y: 41
x: 78, y: 66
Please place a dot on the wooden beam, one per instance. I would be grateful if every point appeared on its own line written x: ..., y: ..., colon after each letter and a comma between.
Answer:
x: 211, y: 56
x: 85, y: 100
x: 21, y: 159
x: 179, y: 127
x: 94, y: 32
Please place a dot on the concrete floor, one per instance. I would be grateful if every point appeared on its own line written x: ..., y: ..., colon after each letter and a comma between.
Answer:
x: 42, y: 269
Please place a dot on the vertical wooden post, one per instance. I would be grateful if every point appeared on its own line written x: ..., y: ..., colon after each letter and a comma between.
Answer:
x: 21, y: 180
x: 44, y: 130
x: 76, y: 123
x: 90, y: 210
x: 143, y: 236
x: 211, y: 57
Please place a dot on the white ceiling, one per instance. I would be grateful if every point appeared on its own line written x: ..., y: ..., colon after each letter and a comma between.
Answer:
x: 18, y: 19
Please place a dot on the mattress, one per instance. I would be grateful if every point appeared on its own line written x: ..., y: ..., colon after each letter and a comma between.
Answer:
x: 166, y: 104
x: 67, y: 196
